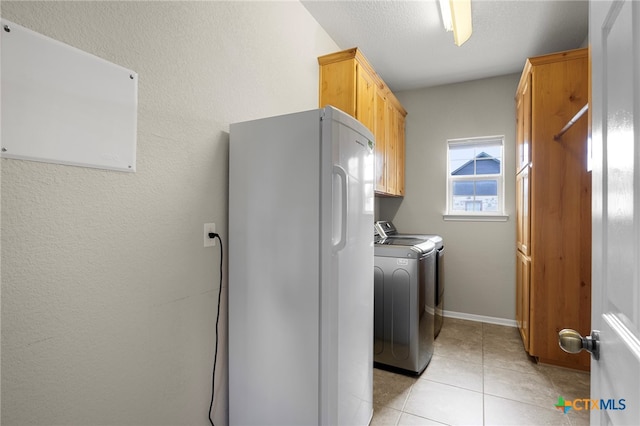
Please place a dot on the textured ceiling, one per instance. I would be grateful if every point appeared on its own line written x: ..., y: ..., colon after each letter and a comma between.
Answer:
x: 408, y: 46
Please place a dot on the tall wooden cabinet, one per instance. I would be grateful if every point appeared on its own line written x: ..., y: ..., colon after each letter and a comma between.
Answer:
x: 348, y: 82
x: 553, y: 206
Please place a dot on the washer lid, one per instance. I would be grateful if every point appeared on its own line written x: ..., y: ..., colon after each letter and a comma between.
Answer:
x: 435, y: 239
x: 419, y: 246
x: 395, y: 241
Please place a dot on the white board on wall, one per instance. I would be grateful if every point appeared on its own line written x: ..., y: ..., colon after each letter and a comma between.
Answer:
x: 65, y: 106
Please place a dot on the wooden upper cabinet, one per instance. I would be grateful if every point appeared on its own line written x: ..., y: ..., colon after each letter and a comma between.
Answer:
x: 349, y: 83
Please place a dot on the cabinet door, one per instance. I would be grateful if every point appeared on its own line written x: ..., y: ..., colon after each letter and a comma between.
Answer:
x: 392, y: 149
x: 522, y: 296
x: 523, y: 219
x: 400, y: 154
x: 365, y: 98
x: 523, y: 126
x: 519, y: 131
x: 381, y: 143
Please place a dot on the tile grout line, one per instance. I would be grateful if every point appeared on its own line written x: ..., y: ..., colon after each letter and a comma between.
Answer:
x: 404, y: 404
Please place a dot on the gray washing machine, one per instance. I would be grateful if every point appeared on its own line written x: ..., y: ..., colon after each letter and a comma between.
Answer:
x: 404, y: 303
x: 387, y: 229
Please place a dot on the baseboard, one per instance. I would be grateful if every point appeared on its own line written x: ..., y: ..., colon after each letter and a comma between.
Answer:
x: 479, y: 318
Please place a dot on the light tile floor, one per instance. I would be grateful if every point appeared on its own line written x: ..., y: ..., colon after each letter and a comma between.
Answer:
x: 479, y: 375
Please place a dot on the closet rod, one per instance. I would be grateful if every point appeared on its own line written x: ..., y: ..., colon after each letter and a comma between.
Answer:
x: 571, y: 122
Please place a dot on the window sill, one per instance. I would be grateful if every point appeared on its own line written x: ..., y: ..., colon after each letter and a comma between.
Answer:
x: 476, y: 217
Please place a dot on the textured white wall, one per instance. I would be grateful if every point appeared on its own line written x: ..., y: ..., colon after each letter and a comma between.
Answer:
x: 480, y: 256
x: 108, y: 296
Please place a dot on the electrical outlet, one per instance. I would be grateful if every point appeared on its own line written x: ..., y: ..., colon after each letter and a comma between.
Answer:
x: 209, y: 227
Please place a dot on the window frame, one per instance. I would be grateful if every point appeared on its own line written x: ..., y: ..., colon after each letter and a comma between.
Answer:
x: 499, y: 214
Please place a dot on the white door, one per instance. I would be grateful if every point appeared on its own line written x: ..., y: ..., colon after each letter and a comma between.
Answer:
x: 614, y: 32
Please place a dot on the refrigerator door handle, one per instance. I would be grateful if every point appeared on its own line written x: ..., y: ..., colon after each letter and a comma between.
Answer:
x: 342, y: 174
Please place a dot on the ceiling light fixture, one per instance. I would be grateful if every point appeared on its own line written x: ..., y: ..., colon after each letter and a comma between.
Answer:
x: 456, y: 17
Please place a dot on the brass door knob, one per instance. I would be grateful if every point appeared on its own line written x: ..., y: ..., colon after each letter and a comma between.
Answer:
x: 572, y: 342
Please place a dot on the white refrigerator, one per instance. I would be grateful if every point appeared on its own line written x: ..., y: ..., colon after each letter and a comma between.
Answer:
x: 301, y: 211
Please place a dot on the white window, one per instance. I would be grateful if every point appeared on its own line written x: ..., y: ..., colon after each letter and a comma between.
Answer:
x: 475, y: 178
